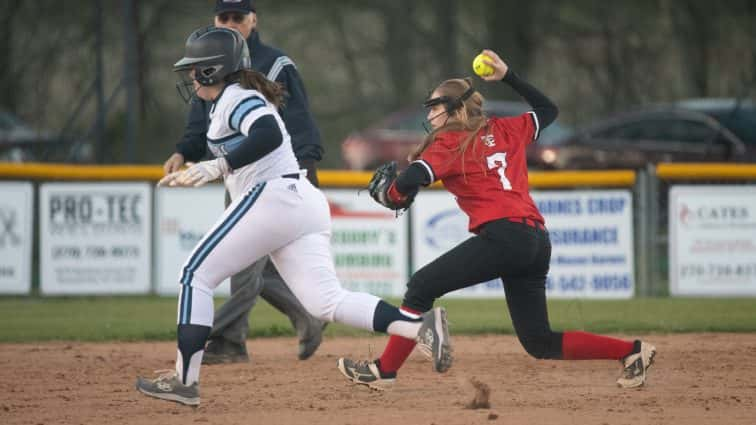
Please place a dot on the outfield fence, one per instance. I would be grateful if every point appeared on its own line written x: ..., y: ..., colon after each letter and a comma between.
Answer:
x: 69, y: 230
x: 700, y: 230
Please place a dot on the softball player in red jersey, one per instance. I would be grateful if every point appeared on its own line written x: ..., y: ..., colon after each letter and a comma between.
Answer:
x: 482, y: 162
x: 275, y: 211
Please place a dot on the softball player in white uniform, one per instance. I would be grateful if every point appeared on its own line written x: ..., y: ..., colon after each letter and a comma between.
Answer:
x: 274, y: 211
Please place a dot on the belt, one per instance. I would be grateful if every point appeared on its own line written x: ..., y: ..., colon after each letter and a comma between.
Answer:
x: 526, y: 221
x: 294, y: 176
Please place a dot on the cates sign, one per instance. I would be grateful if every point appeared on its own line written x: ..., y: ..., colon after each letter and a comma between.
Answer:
x: 712, y: 240
x: 713, y: 216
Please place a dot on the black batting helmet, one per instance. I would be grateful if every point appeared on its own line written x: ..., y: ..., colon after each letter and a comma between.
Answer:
x: 214, y: 53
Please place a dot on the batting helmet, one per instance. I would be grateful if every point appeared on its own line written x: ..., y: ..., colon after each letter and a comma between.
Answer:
x: 214, y: 53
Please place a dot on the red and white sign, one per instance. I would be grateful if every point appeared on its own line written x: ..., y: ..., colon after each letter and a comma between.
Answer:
x: 369, y: 244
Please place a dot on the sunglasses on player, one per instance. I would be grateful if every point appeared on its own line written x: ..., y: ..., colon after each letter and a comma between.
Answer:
x: 232, y: 16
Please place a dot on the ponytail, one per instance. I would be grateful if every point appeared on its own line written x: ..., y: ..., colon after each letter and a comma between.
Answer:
x: 253, y: 80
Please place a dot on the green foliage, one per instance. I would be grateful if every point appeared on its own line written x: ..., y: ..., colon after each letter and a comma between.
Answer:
x: 361, y: 60
x: 153, y: 318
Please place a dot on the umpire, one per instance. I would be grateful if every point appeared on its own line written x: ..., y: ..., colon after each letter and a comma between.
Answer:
x: 227, y: 343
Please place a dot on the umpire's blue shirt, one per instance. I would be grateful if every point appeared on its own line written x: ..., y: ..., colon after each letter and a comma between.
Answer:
x: 305, y: 137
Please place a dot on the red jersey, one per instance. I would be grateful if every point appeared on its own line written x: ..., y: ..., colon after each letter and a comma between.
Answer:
x: 491, y: 180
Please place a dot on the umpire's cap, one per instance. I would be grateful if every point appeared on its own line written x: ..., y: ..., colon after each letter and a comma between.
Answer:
x: 240, y: 6
x: 214, y: 53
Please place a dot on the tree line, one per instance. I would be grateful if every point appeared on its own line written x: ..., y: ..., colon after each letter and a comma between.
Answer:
x: 362, y: 59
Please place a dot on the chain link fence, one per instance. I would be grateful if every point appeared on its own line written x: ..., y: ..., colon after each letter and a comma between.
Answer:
x: 652, y: 210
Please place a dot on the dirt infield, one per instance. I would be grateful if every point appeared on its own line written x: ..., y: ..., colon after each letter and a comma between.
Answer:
x: 697, y: 379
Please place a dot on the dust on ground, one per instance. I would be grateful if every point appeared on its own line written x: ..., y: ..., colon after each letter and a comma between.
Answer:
x: 696, y: 379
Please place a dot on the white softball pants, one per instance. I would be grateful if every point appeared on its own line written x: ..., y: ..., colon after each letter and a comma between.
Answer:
x: 289, y: 220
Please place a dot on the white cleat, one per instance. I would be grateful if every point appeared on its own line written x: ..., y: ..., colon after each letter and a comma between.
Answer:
x: 636, y: 364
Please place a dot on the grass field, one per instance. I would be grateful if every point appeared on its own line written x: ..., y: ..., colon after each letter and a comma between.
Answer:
x: 153, y: 318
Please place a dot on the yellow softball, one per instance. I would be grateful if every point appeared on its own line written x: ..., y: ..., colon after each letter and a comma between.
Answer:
x: 481, y: 68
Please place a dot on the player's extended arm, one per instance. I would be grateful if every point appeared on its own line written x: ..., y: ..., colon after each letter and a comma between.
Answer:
x: 544, y: 108
x: 263, y: 137
x: 546, y: 111
x: 197, y: 174
x: 397, y: 192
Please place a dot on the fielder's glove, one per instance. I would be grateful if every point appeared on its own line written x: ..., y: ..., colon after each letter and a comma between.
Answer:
x: 380, y: 188
x: 197, y: 174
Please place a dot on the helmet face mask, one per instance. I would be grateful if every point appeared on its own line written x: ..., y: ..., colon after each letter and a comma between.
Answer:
x: 211, y: 55
x: 185, y: 85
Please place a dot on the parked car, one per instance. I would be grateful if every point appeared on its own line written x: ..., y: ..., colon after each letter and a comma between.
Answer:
x: 21, y: 143
x: 395, y: 136
x: 698, y: 130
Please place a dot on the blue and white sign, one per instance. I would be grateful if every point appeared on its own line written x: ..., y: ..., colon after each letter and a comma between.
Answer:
x: 591, y: 234
x: 16, y: 214
x: 712, y: 240
x: 182, y: 218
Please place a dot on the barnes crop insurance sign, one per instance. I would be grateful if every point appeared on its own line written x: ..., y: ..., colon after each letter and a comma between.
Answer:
x: 591, y: 235
x: 15, y: 237
x: 95, y: 238
x: 712, y: 240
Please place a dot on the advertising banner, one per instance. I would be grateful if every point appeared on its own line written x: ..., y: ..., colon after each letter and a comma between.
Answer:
x: 712, y: 240
x: 591, y: 235
x: 369, y: 243
x: 95, y: 238
x: 182, y: 217
x: 16, y: 215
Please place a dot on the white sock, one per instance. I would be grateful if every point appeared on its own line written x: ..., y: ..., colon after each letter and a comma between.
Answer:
x: 192, y: 374
x: 405, y: 329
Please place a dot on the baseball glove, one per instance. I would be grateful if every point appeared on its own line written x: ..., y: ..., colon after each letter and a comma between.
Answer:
x: 380, y: 184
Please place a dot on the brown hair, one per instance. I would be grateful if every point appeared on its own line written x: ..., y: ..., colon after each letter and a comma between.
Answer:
x: 253, y: 80
x: 469, y: 117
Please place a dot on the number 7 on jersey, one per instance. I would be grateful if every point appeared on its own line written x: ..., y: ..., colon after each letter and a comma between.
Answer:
x: 499, y: 161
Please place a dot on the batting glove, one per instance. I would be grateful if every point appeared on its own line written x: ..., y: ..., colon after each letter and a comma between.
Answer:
x: 197, y: 174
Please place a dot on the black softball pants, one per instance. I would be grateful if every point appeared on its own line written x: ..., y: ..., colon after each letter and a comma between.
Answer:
x: 517, y: 253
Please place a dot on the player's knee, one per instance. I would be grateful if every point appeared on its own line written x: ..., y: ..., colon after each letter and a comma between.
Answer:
x: 199, y: 282
x: 320, y: 310
x: 541, y: 346
x: 198, y: 278
x: 419, y: 295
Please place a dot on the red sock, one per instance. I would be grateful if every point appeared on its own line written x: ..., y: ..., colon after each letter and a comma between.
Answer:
x: 578, y: 345
x: 398, y: 349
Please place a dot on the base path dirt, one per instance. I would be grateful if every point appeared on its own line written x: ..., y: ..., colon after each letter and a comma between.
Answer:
x: 697, y: 379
